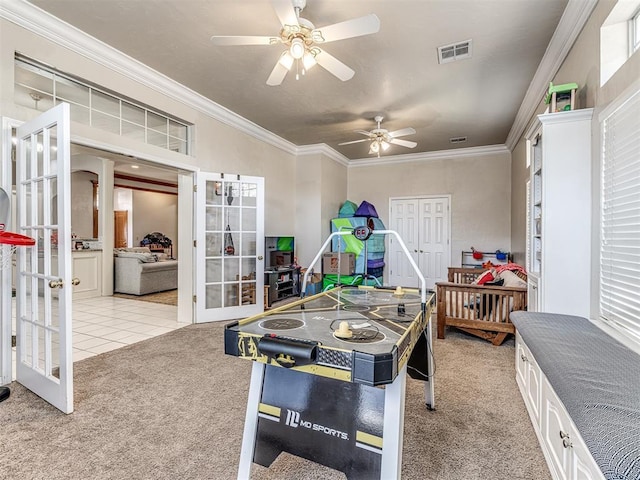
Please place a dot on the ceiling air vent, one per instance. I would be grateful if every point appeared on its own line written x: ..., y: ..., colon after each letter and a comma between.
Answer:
x: 455, y: 51
x: 458, y: 140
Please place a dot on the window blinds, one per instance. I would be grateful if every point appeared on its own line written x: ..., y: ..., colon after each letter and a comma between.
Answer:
x: 620, y: 241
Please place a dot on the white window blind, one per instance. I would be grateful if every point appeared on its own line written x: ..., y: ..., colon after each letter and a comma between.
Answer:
x: 620, y: 248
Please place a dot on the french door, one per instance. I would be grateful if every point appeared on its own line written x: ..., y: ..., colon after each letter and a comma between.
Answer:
x: 43, y: 207
x: 229, y: 246
x: 424, y: 226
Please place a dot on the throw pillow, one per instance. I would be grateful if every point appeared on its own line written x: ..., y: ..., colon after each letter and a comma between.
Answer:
x: 511, y: 279
x: 484, y: 277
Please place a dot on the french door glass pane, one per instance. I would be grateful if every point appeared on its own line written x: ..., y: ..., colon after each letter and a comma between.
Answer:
x: 248, y: 244
x: 213, y: 220
x: 213, y: 270
x: 213, y: 244
x: 232, y: 218
x: 231, y: 297
x: 214, y: 296
x: 213, y: 195
x: 231, y: 269
x: 248, y: 219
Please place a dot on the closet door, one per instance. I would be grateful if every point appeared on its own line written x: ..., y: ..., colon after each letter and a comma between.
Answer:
x: 423, y: 224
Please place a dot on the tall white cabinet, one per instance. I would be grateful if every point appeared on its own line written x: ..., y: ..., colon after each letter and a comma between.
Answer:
x: 559, y: 230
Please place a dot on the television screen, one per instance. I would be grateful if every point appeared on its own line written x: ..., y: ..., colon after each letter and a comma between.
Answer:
x: 279, y: 252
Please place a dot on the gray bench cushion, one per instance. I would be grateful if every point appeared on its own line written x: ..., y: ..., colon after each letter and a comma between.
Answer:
x: 597, y: 379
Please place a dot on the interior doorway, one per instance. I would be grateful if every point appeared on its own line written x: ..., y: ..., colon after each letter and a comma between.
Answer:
x: 424, y: 223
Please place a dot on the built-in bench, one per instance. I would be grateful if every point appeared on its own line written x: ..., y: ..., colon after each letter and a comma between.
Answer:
x: 582, y: 390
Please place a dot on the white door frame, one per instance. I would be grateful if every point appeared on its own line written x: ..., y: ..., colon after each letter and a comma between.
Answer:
x: 186, y: 234
x: 6, y: 361
x: 424, y: 197
x: 186, y: 230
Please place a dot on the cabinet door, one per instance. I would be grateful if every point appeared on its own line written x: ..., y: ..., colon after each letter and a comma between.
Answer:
x: 521, y: 364
x: 534, y: 388
x: 556, y: 433
x: 584, y: 466
x: 528, y: 378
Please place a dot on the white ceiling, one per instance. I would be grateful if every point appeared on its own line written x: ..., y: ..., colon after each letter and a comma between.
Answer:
x: 396, y: 70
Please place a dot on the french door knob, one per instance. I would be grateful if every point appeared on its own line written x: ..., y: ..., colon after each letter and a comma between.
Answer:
x: 260, y: 257
x: 75, y: 281
x: 56, y: 283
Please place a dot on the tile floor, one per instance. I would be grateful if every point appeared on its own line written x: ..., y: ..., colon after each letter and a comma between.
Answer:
x: 105, y: 323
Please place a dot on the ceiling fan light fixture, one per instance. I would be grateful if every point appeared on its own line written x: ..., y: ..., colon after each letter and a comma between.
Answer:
x: 297, y: 48
x: 286, y: 60
x: 385, y: 146
x: 308, y: 61
x: 374, y: 147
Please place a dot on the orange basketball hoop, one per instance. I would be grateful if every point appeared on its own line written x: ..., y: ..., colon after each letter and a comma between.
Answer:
x: 12, y: 240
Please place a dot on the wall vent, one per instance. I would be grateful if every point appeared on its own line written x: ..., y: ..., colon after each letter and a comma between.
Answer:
x: 455, y: 51
x: 458, y: 140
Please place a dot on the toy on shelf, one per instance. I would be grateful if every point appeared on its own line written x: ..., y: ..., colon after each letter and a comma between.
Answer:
x: 561, y: 97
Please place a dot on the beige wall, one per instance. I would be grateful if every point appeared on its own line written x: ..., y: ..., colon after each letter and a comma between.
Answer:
x: 321, y: 189
x: 479, y: 188
x: 155, y: 212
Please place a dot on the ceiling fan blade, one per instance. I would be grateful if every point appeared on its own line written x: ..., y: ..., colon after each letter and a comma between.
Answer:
x: 277, y: 74
x: 354, y: 141
x: 404, y: 143
x: 285, y: 12
x: 334, y: 66
x: 402, y: 132
x: 347, y: 29
x: 229, y: 40
x: 363, y: 132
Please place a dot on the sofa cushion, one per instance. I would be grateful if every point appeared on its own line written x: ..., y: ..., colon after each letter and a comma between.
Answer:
x: 142, y: 257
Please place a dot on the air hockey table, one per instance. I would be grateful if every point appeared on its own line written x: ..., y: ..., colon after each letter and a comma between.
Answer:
x: 328, y: 377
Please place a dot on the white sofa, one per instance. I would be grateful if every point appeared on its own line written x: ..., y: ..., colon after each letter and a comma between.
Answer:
x: 138, y: 272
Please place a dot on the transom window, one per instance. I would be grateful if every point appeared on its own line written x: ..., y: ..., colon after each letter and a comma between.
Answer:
x: 41, y: 87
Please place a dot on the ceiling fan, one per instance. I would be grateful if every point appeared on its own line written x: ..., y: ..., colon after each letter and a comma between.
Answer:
x: 302, y: 38
x: 381, y: 139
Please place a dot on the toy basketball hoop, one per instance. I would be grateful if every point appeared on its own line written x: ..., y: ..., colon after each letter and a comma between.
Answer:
x: 12, y: 240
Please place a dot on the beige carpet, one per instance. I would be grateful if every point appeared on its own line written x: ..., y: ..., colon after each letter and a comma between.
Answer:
x: 172, y: 407
x: 170, y: 297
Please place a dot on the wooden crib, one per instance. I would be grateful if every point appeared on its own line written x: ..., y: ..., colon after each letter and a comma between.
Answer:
x: 481, y: 310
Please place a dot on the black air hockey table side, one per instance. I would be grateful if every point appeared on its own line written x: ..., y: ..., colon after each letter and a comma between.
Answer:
x: 321, y: 406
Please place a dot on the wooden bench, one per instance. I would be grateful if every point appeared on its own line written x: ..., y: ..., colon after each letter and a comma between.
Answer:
x: 481, y: 310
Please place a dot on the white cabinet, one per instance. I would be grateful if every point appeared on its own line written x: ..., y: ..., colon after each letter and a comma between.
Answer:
x: 528, y: 378
x: 559, y: 243
x: 564, y: 449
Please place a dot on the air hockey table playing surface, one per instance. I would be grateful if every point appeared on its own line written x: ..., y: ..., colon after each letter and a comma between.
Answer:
x: 385, y: 327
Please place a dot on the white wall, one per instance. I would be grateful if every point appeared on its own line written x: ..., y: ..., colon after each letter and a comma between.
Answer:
x: 479, y: 187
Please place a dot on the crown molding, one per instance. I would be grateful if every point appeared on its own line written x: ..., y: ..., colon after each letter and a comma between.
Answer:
x: 428, y: 156
x: 573, y: 19
x: 324, y: 149
x: 38, y: 21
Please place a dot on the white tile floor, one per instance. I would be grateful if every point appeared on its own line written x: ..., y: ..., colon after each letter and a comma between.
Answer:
x: 103, y: 324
